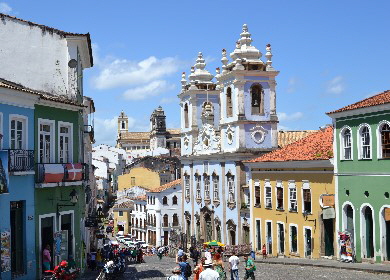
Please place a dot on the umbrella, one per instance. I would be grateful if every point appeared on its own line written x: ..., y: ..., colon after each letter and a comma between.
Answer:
x: 214, y: 243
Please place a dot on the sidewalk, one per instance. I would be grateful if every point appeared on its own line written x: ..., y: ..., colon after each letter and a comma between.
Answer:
x: 375, y: 268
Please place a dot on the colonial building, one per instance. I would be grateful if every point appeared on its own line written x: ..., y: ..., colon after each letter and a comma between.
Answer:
x: 362, y: 145
x: 163, y: 212
x: 138, y: 218
x: 158, y: 136
x: 292, y: 199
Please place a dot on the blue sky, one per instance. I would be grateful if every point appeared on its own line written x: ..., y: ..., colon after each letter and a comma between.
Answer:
x: 329, y: 53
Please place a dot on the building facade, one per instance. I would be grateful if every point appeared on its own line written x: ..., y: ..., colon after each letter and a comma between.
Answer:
x: 292, y: 199
x: 362, y: 133
x: 138, y: 219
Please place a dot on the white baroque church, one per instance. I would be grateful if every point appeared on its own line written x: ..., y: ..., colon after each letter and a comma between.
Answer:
x: 225, y: 121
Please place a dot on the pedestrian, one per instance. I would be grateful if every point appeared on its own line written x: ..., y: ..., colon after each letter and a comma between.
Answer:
x: 160, y: 252
x: 208, y: 256
x: 249, y: 268
x: 264, y: 251
x: 46, y: 258
x: 176, y: 274
x: 185, y: 268
x: 180, y: 254
x: 233, y: 263
x: 218, y: 266
x: 195, y: 256
x: 199, y: 268
x: 208, y: 273
x: 93, y: 259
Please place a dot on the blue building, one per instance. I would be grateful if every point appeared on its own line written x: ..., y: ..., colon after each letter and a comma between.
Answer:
x: 17, y: 221
x: 223, y: 123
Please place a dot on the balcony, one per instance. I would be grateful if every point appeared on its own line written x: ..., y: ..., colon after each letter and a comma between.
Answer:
x: 20, y: 160
x: 61, y: 172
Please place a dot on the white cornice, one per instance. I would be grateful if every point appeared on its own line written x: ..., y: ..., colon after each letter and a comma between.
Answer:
x: 17, y: 98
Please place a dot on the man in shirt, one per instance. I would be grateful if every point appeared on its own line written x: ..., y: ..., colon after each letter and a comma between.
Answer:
x: 208, y: 273
x: 249, y: 268
x: 233, y: 262
x: 183, y: 266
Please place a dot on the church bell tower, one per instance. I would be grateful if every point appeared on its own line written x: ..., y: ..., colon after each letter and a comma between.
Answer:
x: 158, y: 134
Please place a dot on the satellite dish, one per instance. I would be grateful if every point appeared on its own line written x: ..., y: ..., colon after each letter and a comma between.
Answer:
x: 72, y: 63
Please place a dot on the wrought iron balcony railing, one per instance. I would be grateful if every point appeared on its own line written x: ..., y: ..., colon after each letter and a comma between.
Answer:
x: 20, y: 160
x: 61, y: 172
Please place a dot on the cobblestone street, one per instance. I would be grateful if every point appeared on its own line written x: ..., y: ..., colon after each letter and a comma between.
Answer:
x: 155, y: 269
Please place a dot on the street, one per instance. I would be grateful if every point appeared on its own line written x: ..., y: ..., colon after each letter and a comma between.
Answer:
x: 155, y: 269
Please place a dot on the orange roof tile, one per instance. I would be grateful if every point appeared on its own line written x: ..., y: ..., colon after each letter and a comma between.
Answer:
x: 141, y: 197
x: 316, y: 146
x: 379, y: 99
x: 167, y: 186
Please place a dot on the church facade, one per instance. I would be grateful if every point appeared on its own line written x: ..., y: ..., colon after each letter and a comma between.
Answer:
x: 225, y: 119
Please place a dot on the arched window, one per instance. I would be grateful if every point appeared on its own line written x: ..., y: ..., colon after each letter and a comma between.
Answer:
x: 346, y: 144
x: 186, y: 124
x: 165, y: 200
x: 215, y: 187
x: 257, y: 99
x: 165, y: 220
x: 174, y: 200
x: 365, y: 142
x: 175, y: 220
x: 230, y: 187
x: 229, y: 104
x: 384, y: 147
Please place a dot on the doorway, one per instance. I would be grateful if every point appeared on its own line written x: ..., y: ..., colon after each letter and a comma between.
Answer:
x: 281, y: 238
x: 166, y: 234
x: 209, y: 228
x: 387, y: 237
x: 258, y: 235
x: 308, y: 243
x: 232, y: 234
x: 369, y: 232
x: 329, y: 236
x: 269, y: 237
x: 67, y: 236
x: 245, y: 235
x: 47, y: 238
x: 17, y: 237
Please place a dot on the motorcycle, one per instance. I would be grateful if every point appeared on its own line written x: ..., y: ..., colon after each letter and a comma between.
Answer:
x: 61, y: 272
x: 113, y: 269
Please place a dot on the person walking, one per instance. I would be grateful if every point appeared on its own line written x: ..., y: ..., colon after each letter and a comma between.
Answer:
x: 208, y: 256
x: 233, y: 263
x: 185, y: 268
x: 218, y: 266
x: 199, y: 268
x: 249, y: 268
x: 195, y: 256
x: 160, y: 252
x: 208, y: 273
x: 46, y: 258
x: 176, y: 274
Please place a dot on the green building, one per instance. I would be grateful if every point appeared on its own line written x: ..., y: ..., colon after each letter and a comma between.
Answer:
x: 362, y: 169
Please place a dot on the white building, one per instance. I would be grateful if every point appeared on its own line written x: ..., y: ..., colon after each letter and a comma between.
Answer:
x: 163, y: 212
x: 138, y: 218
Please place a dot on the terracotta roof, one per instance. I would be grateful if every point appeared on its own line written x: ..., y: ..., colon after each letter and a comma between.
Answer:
x: 316, y: 146
x: 167, y: 186
x: 135, y: 135
x: 379, y: 99
x: 61, y: 33
x: 287, y: 137
x: 41, y: 94
x: 125, y: 204
x: 141, y: 197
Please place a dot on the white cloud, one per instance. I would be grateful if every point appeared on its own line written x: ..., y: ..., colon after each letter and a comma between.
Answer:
x: 122, y: 72
x: 152, y: 89
x: 336, y: 85
x: 106, y: 130
x: 5, y: 8
x: 290, y: 117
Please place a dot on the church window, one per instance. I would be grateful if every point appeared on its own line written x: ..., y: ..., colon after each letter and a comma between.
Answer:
x: 174, y: 200
x: 206, y: 187
x: 187, y: 185
x: 186, y: 124
x: 257, y: 100
x: 257, y: 193
x: 384, y: 144
x: 198, y: 191
x: 231, y: 192
x: 365, y: 142
x: 216, y: 187
x: 165, y: 200
x: 268, y: 195
x: 175, y: 220
x: 229, y: 104
x: 123, y: 125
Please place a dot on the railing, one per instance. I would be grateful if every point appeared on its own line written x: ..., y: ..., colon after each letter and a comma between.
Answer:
x: 20, y: 160
x: 61, y: 172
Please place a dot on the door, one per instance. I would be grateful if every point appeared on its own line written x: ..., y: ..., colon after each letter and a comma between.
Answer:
x: 245, y: 230
x: 269, y: 238
x: 308, y: 242
x: 387, y: 240
x: 17, y: 237
x: 258, y: 235
x: 281, y: 238
x: 47, y: 238
x: 369, y: 232
x: 328, y: 237
x: 67, y: 236
x: 166, y: 238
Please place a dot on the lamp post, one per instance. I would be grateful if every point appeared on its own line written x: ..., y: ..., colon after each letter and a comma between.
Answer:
x: 73, y: 199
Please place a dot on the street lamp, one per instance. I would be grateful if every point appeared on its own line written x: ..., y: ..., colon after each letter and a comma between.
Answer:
x: 73, y: 199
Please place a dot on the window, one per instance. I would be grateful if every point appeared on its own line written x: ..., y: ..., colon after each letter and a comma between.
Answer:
x: 268, y: 195
x: 206, y: 187
x: 175, y: 220
x: 346, y: 142
x: 231, y: 192
x: 385, y: 141
x: 186, y: 123
x: 256, y: 99
x: 229, y: 104
x: 215, y: 187
x: 132, y: 181
x: 165, y: 220
x: 120, y: 214
x: 165, y: 200
x: 18, y: 132
x: 187, y: 185
x: 123, y: 125
x: 257, y: 193
x: 365, y: 143
x: 198, y: 191
x: 46, y: 141
x: 65, y: 142
x: 279, y: 197
x: 293, y: 239
x: 293, y: 207
x: 306, y: 194
x: 154, y: 200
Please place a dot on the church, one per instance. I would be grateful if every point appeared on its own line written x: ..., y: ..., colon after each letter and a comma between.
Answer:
x: 226, y: 119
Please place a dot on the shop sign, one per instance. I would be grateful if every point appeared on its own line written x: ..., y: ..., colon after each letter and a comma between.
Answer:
x: 328, y: 213
x: 328, y: 200
x: 387, y: 214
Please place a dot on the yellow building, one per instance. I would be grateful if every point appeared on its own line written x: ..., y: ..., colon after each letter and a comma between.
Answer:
x: 122, y: 216
x: 292, y: 198
x: 140, y: 177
